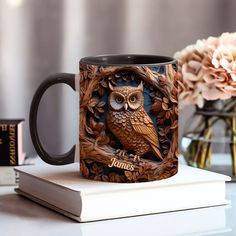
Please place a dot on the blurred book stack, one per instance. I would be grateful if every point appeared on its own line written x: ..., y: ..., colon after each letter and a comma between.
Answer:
x: 11, y: 150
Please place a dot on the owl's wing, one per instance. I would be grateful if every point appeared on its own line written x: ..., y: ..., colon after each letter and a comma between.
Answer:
x: 142, y: 124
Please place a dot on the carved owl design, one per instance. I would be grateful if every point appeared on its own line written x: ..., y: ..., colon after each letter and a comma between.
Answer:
x: 130, y: 123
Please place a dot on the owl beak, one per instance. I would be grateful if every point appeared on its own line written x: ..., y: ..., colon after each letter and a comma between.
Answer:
x: 126, y: 106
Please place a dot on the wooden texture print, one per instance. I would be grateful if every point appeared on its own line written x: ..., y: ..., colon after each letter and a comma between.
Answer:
x: 128, y: 122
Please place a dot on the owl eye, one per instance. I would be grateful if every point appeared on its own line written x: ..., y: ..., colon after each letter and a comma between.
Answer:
x: 119, y: 100
x: 132, y: 99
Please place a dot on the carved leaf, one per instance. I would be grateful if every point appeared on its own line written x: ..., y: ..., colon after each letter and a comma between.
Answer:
x: 99, y: 126
x: 165, y: 100
x: 174, y: 125
x: 128, y: 175
x: 105, y: 178
x: 166, y: 129
x: 104, y: 84
x: 141, y: 170
x: 162, y: 139
x: 165, y: 141
x: 101, y: 104
x: 102, y: 70
x: 97, y: 177
x: 82, y: 91
x: 90, y: 109
x: 100, y: 109
x: 94, y: 168
x: 92, y: 122
x: 117, y: 75
x: 164, y: 106
x: 165, y: 152
x: 97, y: 114
x: 156, y: 106
x: 172, y: 112
x: 89, y: 130
x: 177, y: 153
x: 176, y: 111
x: 161, y: 133
x: 114, y: 177
x: 89, y: 161
x: 167, y: 116
x: 112, y: 80
x: 93, y: 102
x: 173, y: 99
x: 152, y: 94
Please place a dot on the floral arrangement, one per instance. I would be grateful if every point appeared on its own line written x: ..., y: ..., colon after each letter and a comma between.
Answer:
x: 208, y: 70
x: 207, y: 79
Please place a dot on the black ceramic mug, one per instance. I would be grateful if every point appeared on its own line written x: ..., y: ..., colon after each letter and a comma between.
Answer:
x: 128, y: 118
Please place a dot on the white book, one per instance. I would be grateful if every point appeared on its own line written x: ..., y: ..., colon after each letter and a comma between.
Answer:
x: 8, y: 176
x: 63, y: 189
x: 202, y: 221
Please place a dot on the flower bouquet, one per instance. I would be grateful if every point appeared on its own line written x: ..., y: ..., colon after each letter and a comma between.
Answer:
x: 207, y: 71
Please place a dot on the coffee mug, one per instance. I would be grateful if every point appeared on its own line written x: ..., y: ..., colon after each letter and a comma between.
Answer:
x: 128, y: 124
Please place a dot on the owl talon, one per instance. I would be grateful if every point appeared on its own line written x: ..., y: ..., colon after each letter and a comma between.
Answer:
x: 136, y: 158
x: 120, y: 152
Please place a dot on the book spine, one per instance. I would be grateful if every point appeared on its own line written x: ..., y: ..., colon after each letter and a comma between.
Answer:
x: 8, y: 145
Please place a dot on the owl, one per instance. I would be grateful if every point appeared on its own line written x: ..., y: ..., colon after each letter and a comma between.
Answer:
x: 130, y: 123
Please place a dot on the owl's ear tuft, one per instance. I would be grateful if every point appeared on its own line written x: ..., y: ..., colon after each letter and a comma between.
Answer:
x: 110, y: 86
x: 141, y: 86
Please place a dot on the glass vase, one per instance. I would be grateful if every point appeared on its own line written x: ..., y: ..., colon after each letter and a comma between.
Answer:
x: 211, y: 129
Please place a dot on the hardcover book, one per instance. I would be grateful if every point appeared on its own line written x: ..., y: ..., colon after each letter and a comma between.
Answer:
x: 203, y: 221
x: 63, y: 189
x: 11, y: 147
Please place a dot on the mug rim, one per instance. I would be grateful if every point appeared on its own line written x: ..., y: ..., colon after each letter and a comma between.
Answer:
x: 128, y: 60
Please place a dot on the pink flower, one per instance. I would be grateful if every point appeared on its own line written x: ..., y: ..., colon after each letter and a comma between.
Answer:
x: 208, y: 70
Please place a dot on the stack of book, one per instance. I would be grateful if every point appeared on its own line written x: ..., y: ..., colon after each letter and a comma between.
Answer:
x: 11, y: 150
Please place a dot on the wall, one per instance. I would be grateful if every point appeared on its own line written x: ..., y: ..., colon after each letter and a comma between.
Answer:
x: 38, y: 38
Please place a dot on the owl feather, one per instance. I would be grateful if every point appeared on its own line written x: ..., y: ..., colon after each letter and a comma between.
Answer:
x: 146, y: 128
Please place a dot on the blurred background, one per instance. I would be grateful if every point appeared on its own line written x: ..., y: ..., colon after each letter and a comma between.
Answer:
x: 39, y: 38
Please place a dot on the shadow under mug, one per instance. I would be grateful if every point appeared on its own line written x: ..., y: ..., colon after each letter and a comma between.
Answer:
x: 128, y: 124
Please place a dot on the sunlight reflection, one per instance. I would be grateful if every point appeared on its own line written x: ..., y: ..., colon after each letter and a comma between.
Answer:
x: 15, y: 3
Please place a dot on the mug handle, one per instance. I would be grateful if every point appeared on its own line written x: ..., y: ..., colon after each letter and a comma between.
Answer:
x: 67, y: 158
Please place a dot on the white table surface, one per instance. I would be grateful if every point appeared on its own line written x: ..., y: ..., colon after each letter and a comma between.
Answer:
x: 20, y: 216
